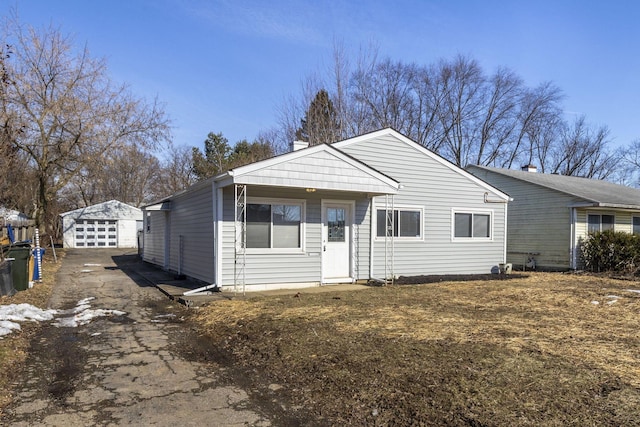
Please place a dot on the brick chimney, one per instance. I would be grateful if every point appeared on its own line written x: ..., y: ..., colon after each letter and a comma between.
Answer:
x: 530, y: 168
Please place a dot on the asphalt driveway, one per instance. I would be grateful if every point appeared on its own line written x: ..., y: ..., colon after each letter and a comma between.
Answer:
x: 136, y: 368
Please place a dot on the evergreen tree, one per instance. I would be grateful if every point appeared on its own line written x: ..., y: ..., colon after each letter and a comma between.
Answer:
x: 320, y: 124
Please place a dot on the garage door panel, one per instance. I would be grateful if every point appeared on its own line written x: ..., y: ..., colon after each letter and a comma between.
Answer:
x: 96, y: 234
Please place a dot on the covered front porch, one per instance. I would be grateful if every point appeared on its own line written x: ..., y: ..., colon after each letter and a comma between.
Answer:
x: 298, y: 220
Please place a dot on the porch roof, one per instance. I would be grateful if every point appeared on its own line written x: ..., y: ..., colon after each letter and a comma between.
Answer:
x: 320, y: 167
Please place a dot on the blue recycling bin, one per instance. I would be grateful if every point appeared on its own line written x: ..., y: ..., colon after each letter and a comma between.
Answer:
x: 36, y: 269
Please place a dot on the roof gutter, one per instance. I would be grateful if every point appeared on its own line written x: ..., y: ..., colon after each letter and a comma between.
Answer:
x: 605, y: 205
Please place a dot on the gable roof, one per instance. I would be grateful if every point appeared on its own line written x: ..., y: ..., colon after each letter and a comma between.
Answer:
x: 594, y: 192
x: 320, y: 166
x: 425, y: 152
x: 12, y: 215
x: 113, y: 209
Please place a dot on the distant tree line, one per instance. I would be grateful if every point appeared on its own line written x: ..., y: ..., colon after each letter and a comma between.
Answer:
x: 71, y: 137
x: 456, y: 109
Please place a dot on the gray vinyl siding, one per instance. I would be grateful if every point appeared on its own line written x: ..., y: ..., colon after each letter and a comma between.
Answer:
x: 192, y: 218
x: 293, y: 266
x: 322, y: 170
x: 437, y: 189
x: 153, y: 251
x: 539, y: 221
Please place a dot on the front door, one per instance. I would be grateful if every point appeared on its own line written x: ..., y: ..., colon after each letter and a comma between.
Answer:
x: 336, y: 242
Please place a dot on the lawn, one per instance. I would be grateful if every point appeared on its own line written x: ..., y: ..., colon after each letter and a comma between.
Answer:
x: 542, y: 349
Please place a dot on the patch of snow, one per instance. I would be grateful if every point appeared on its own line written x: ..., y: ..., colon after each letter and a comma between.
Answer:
x: 633, y: 290
x: 7, y: 326
x: 86, y: 271
x: 595, y: 302
x: 91, y: 265
x: 81, y: 314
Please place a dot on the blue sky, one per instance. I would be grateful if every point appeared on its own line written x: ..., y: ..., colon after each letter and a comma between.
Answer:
x: 226, y: 66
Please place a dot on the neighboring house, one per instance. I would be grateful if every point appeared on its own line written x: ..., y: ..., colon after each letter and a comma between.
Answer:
x: 317, y: 216
x: 111, y: 224
x: 551, y: 214
x: 10, y: 215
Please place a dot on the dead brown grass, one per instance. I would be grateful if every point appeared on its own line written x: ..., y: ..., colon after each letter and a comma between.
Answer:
x: 14, y: 347
x: 536, y: 350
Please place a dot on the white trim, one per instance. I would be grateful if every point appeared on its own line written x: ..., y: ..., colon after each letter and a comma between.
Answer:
x: 573, y: 248
x: 374, y: 230
x: 303, y: 220
x: 218, y: 234
x: 489, y: 212
x: 166, y: 263
x: 352, y: 208
x: 426, y: 152
x: 406, y: 208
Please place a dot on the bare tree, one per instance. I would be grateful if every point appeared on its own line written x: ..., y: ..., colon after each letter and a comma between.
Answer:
x: 69, y: 111
x: 456, y: 110
x: 177, y: 171
x: 583, y: 151
x: 462, y: 83
x: 386, y: 93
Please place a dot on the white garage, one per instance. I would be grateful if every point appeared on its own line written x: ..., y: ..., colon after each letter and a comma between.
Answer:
x: 111, y: 224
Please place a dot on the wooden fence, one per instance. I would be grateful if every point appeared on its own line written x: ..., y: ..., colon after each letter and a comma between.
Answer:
x: 22, y: 230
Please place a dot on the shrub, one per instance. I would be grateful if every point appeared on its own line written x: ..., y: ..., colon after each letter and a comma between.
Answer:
x: 611, y: 251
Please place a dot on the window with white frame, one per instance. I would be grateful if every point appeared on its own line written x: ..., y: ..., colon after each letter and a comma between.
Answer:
x: 597, y: 222
x: 274, y: 225
x: 407, y: 222
x: 472, y: 225
x: 636, y: 225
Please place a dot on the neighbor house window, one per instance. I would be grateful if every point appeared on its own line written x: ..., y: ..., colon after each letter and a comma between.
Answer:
x: 472, y: 225
x: 407, y: 222
x: 636, y: 225
x: 600, y: 222
x: 274, y: 225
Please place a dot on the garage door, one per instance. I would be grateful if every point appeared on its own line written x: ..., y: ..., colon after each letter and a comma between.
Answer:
x: 96, y: 234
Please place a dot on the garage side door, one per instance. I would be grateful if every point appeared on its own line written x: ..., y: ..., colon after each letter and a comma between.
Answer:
x: 96, y: 234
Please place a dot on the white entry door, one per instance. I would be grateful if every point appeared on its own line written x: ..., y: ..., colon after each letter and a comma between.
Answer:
x: 336, y: 242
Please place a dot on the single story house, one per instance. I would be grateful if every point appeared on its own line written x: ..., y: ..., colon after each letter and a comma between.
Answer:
x: 11, y: 215
x: 373, y: 207
x: 111, y: 224
x: 551, y: 214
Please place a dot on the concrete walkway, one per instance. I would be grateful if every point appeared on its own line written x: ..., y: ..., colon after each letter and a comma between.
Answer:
x: 122, y: 370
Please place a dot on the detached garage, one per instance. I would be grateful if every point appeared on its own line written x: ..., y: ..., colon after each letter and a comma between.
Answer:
x: 111, y: 224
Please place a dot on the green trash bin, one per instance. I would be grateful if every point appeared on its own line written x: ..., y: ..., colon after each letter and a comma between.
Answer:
x: 20, y: 266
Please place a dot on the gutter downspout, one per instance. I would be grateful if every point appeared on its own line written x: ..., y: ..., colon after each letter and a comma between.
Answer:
x: 372, y: 235
x: 573, y: 263
x: 506, y: 203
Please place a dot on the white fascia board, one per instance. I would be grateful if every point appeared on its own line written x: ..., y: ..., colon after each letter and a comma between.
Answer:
x: 419, y: 148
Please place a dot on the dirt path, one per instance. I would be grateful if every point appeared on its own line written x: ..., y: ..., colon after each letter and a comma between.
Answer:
x: 131, y: 369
